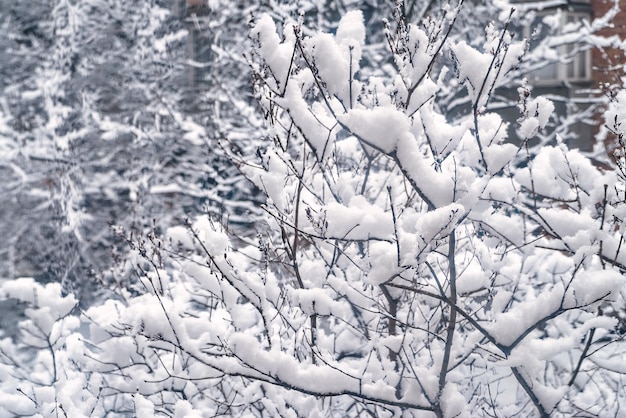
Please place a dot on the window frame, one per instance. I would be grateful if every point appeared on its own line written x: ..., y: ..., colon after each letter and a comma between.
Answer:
x: 567, y: 61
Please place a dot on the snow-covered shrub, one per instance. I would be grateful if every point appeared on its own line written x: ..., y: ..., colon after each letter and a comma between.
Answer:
x: 410, y: 264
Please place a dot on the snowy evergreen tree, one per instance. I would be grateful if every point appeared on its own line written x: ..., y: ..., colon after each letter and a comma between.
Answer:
x: 99, y: 131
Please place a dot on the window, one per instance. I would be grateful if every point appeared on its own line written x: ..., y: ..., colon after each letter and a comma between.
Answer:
x: 571, y: 62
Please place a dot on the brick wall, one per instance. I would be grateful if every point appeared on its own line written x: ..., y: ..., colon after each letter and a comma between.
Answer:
x: 607, y: 64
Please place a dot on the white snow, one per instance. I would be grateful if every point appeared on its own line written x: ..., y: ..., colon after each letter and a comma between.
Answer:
x: 381, y: 127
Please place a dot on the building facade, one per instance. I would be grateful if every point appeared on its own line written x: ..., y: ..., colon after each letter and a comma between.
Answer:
x: 579, y: 78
